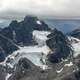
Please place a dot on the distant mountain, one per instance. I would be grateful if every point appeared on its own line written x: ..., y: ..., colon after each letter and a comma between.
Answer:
x: 64, y: 25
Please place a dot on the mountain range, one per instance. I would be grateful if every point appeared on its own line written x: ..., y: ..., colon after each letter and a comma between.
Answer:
x: 31, y: 50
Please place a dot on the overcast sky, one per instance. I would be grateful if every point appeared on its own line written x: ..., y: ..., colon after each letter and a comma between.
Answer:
x: 41, y: 8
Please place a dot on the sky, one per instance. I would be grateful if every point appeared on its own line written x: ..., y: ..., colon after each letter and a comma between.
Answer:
x: 42, y: 8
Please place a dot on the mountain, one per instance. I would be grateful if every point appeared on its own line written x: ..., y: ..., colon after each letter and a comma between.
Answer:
x: 59, y: 44
x: 19, y: 33
x: 75, y: 33
x: 30, y: 50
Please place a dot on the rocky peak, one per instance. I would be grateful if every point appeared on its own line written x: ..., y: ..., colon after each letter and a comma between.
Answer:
x: 60, y: 46
x: 13, y: 22
x: 30, y: 18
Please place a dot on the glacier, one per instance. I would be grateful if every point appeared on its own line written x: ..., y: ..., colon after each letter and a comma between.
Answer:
x: 36, y: 54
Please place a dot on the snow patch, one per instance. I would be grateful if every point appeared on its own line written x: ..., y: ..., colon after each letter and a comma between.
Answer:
x: 8, y: 76
x: 33, y: 53
x: 40, y: 37
x: 36, y: 54
x: 38, y: 22
x: 58, y: 71
x: 68, y: 65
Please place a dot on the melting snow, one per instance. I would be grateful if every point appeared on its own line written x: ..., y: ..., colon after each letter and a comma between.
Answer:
x: 68, y: 65
x: 7, y: 77
x: 74, y: 70
x: 58, y: 71
x: 75, y: 45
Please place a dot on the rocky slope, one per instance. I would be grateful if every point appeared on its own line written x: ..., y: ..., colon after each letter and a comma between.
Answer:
x: 60, y: 46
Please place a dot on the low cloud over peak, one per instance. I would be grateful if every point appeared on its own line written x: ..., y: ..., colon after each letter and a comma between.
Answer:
x: 42, y: 8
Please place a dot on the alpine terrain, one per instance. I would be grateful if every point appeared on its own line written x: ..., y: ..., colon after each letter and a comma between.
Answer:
x: 31, y: 50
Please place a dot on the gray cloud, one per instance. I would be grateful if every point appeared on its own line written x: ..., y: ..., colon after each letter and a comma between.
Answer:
x: 42, y: 8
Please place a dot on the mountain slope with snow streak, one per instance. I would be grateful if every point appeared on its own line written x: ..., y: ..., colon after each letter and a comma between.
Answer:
x: 75, y: 42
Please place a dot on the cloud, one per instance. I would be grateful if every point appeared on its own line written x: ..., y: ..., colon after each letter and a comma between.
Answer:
x: 43, y: 8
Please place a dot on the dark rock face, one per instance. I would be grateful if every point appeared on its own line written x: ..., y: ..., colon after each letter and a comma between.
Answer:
x: 75, y: 33
x: 60, y: 46
x: 73, y: 76
x: 24, y: 63
x: 23, y: 68
x: 2, y: 73
x: 19, y: 33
